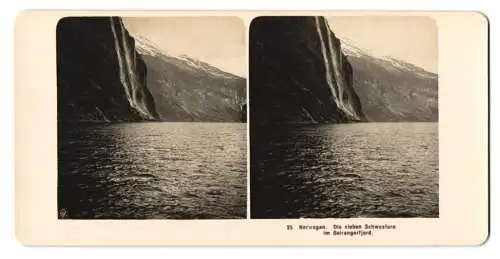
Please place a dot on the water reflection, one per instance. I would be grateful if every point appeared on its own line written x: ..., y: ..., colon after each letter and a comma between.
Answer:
x: 348, y: 170
x: 153, y: 170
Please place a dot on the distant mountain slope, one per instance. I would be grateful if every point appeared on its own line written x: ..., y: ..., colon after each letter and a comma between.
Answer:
x: 186, y: 89
x: 392, y: 89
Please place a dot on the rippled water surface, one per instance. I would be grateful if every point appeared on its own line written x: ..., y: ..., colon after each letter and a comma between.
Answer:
x: 345, y: 170
x: 153, y: 170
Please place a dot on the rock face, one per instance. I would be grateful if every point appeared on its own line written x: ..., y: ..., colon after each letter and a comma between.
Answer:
x: 101, y: 77
x: 186, y: 89
x: 298, y: 73
x: 244, y: 113
x: 392, y: 90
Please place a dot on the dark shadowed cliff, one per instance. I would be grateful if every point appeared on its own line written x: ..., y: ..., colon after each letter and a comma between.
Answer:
x: 186, y: 89
x: 244, y: 113
x: 298, y: 73
x: 100, y: 76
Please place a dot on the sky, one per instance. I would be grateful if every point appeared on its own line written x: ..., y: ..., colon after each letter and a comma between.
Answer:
x: 410, y: 38
x: 219, y: 41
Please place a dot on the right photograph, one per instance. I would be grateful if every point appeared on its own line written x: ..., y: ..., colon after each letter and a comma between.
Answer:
x: 343, y: 115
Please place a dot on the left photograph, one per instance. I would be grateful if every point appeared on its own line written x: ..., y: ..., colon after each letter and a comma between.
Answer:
x: 151, y: 118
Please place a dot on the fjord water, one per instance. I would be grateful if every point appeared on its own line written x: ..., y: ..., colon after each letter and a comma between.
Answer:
x: 371, y: 170
x: 153, y: 170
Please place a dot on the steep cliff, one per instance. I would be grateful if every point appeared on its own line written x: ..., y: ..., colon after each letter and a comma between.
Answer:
x: 298, y: 73
x: 100, y: 76
x: 244, y: 113
x: 186, y: 89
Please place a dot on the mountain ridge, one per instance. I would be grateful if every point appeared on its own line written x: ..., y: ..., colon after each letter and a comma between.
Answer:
x: 350, y: 48
x: 392, y: 89
x: 188, y: 89
x: 147, y: 47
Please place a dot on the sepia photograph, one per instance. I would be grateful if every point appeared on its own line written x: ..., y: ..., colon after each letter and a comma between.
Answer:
x: 343, y: 117
x: 251, y: 128
x: 151, y: 117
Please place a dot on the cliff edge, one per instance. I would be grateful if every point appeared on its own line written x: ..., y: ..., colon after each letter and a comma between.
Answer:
x: 100, y: 76
x: 299, y: 73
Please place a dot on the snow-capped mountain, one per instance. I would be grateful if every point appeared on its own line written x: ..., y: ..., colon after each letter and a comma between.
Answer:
x: 187, y: 89
x: 146, y: 47
x: 350, y: 49
x: 302, y: 73
x: 391, y: 89
x: 408, y: 67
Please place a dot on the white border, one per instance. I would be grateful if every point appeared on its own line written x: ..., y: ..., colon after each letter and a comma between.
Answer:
x: 10, y: 246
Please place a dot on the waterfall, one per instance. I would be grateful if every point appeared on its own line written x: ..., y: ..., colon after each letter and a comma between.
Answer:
x: 309, y: 116
x: 335, y: 65
x: 128, y: 74
x: 328, y: 73
x: 120, y: 62
x: 331, y: 63
x: 338, y: 76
